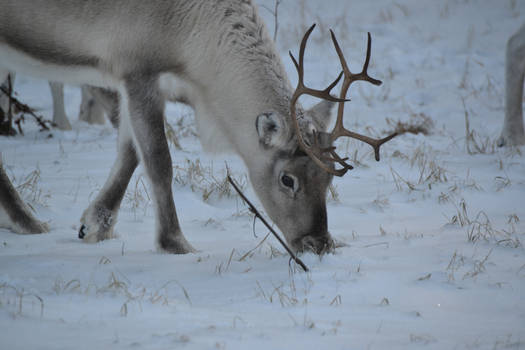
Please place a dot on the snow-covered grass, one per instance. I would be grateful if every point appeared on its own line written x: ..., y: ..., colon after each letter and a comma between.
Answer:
x: 435, y: 231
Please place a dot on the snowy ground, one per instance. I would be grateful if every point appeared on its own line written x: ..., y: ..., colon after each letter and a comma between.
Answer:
x: 435, y: 255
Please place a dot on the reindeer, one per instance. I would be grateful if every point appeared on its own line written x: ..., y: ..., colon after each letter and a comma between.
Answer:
x: 218, y: 57
x: 513, y: 132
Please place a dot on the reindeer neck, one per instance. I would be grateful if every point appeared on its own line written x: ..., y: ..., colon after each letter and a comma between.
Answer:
x: 237, y: 76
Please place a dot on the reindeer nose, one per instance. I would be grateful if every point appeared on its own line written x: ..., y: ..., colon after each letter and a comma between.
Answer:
x: 317, y: 244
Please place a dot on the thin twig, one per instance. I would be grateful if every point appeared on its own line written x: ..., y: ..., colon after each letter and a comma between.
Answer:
x: 275, y: 13
x: 376, y: 244
x: 258, y: 215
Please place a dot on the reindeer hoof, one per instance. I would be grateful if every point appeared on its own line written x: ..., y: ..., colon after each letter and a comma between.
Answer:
x: 96, y: 224
x: 176, y: 245
x: 81, y: 232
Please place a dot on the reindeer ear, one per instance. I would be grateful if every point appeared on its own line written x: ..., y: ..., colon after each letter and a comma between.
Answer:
x: 271, y: 129
x: 321, y: 114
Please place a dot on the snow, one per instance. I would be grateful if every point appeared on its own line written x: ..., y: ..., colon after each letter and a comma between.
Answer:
x: 409, y: 278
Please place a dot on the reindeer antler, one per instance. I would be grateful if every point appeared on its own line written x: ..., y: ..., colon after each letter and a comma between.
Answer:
x: 315, y: 151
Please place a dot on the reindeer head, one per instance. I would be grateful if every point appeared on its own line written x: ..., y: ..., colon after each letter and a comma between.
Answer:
x: 292, y: 186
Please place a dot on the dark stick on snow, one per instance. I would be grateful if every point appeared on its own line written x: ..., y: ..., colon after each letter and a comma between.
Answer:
x: 260, y: 217
x: 23, y: 108
x: 9, y: 94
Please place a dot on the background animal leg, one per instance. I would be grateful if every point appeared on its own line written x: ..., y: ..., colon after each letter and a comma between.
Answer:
x: 109, y: 101
x: 90, y: 111
x: 513, y: 132
x: 59, y: 113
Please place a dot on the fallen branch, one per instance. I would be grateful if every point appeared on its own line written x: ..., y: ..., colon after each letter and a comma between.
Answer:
x: 260, y: 217
x: 20, y: 107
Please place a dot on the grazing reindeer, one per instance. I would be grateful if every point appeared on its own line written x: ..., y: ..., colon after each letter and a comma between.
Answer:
x: 513, y: 132
x: 217, y: 56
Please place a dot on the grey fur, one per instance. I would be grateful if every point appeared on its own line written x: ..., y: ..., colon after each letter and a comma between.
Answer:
x: 46, y: 50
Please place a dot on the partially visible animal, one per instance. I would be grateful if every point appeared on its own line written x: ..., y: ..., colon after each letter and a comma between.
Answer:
x: 218, y: 57
x: 92, y: 108
x: 513, y: 133
x: 99, y: 102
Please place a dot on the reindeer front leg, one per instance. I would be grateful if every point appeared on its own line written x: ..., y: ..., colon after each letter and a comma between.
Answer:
x: 513, y: 132
x: 100, y: 217
x: 143, y: 104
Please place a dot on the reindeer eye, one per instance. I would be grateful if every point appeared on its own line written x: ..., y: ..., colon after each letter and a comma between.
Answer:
x: 287, y: 181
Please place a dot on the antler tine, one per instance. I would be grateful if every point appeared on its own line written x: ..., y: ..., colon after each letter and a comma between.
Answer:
x: 314, y: 151
x: 342, y: 161
x: 301, y: 88
x: 375, y: 143
x: 339, y: 129
x: 350, y: 77
x: 300, y: 66
x: 364, y: 72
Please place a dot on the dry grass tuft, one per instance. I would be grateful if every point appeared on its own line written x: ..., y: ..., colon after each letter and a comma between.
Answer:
x: 138, y: 197
x: 30, y: 189
x: 474, y: 142
x: 481, y: 229
x: 14, y: 299
x: 202, y: 179
x: 419, y: 123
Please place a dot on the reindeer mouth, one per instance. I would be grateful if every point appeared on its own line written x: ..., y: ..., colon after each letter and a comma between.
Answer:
x: 319, y: 245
